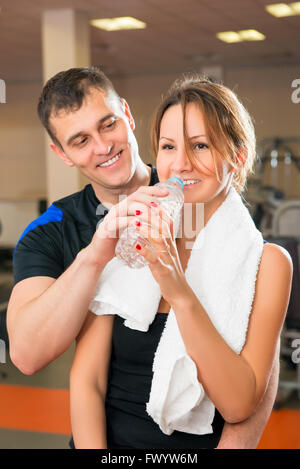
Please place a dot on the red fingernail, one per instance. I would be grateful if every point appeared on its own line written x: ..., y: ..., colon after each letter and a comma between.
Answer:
x: 154, y: 204
x: 138, y: 247
x: 138, y: 212
x: 138, y: 223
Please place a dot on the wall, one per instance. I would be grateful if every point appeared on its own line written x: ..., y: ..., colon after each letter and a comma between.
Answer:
x: 265, y: 91
x: 22, y: 160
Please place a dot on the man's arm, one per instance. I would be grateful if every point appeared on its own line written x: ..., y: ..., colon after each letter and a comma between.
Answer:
x: 247, y: 434
x: 45, y: 314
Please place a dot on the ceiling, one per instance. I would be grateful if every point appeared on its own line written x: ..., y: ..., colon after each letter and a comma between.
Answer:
x: 180, y: 36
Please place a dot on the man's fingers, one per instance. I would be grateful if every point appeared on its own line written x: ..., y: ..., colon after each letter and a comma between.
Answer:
x: 113, y: 227
x: 153, y: 191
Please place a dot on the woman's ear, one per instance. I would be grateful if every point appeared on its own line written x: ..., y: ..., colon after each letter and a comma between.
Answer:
x: 126, y: 110
x: 59, y: 152
x: 242, y: 157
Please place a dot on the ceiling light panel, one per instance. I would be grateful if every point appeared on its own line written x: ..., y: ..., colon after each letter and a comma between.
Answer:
x: 282, y: 10
x: 251, y: 35
x: 229, y: 37
x: 239, y: 36
x: 119, y: 23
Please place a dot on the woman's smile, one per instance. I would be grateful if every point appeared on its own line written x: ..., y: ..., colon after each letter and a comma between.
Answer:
x: 190, y: 183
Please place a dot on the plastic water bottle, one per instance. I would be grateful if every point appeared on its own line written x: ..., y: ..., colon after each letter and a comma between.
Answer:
x: 171, y: 204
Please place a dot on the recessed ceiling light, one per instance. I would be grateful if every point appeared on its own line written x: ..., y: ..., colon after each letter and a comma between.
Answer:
x: 295, y: 6
x: 251, y: 35
x: 229, y: 36
x: 281, y: 10
x: 116, y: 24
x: 239, y: 36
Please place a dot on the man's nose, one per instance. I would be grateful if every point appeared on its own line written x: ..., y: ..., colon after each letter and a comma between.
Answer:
x: 102, y: 146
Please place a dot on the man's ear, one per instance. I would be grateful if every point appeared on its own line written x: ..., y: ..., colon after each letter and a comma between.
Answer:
x: 126, y: 110
x: 59, y: 152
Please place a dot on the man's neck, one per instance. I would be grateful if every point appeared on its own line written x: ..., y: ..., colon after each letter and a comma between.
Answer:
x: 111, y: 196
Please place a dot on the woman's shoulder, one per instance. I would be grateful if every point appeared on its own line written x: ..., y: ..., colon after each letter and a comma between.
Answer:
x: 276, y: 256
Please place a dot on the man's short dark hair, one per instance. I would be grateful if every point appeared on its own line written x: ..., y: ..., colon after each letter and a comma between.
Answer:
x: 67, y: 90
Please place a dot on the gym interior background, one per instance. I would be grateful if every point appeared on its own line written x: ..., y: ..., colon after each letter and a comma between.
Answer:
x: 41, y: 37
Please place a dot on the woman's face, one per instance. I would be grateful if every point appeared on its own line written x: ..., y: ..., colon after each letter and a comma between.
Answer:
x: 201, y: 184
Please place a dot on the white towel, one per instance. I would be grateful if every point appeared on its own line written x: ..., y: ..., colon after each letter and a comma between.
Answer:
x: 222, y: 271
x: 132, y: 294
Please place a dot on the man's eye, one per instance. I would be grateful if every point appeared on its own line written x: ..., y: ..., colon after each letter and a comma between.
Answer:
x: 109, y: 125
x: 81, y: 142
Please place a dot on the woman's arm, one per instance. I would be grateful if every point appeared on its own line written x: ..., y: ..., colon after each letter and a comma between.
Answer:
x: 247, y: 434
x: 236, y: 383
x: 88, y: 382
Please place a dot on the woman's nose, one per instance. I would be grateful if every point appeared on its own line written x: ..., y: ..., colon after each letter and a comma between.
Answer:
x: 181, y: 161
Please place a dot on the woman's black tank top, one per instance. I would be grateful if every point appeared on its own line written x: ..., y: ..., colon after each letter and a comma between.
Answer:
x: 129, y: 384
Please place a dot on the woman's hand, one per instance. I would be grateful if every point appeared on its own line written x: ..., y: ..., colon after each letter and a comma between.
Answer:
x: 160, y: 250
x: 119, y: 217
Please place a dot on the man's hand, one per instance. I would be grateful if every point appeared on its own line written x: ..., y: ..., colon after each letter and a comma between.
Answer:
x: 246, y: 435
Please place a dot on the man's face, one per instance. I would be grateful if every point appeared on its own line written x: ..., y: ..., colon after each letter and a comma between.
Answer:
x: 98, y: 139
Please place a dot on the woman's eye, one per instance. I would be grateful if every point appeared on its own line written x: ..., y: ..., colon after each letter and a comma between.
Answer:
x: 200, y: 146
x: 167, y: 147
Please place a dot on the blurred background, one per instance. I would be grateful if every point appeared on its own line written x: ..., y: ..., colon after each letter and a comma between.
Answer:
x: 252, y: 46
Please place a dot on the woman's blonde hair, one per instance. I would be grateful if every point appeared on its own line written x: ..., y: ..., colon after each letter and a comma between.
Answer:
x: 229, y: 127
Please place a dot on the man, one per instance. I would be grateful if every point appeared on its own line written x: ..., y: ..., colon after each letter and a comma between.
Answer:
x: 91, y: 128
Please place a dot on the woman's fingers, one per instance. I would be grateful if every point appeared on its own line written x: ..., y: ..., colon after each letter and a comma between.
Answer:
x: 144, y: 196
x: 154, y: 224
x: 160, y: 241
x: 160, y: 259
x: 140, y: 208
x: 157, y: 217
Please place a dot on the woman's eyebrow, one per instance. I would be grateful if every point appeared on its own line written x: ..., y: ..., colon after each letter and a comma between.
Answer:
x: 194, y: 136
x: 167, y: 138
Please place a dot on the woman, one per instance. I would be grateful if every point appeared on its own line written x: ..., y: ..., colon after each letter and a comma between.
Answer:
x: 203, y: 135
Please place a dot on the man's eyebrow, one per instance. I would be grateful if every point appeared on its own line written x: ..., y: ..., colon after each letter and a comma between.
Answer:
x: 83, y: 132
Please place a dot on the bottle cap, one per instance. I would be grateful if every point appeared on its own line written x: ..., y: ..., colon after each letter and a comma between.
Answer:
x: 175, y: 178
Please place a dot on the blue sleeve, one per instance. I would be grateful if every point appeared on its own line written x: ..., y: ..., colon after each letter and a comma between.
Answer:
x: 39, y: 251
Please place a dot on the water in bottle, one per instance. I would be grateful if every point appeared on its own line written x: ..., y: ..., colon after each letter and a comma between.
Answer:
x: 171, y: 204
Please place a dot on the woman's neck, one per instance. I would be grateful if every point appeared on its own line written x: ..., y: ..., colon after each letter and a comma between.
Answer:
x: 195, y: 217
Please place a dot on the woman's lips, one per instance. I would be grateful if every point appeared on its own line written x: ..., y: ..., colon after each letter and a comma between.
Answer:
x: 189, y: 186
